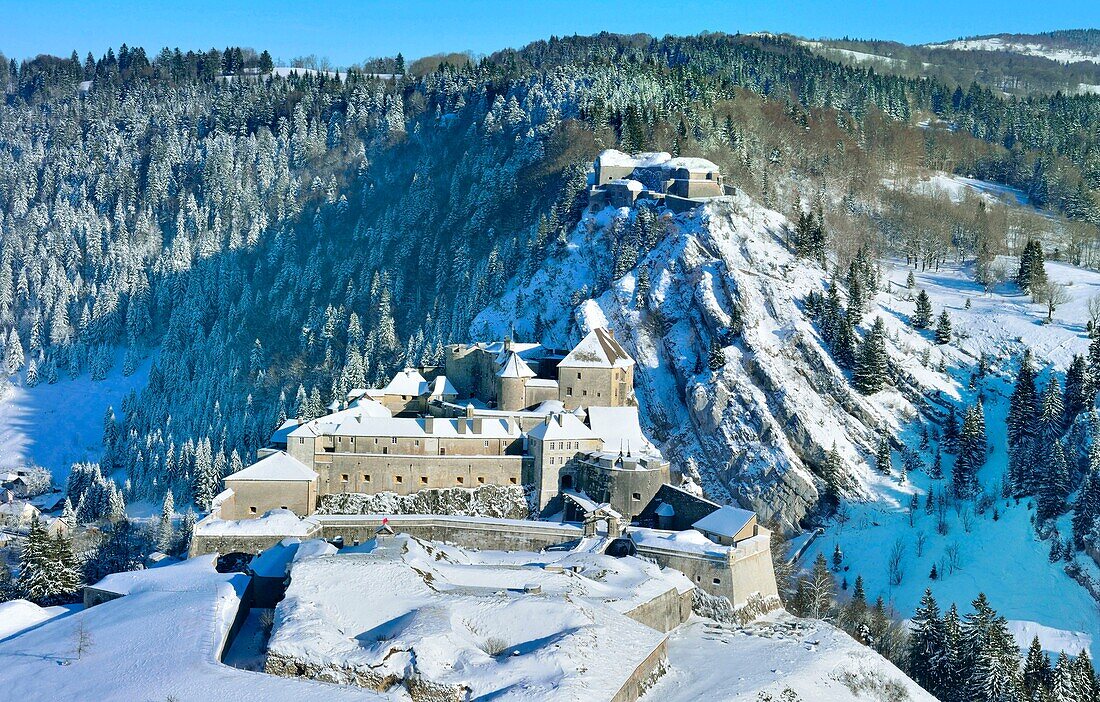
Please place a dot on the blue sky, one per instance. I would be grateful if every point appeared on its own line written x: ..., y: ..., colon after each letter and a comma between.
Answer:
x: 347, y: 31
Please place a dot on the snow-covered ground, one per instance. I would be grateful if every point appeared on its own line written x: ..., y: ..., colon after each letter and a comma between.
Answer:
x: 1019, y: 47
x: 957, y: 188
x: 710, y: 661
x: 1001, y: 557
x: 161, y: 641
x: 54, y: 426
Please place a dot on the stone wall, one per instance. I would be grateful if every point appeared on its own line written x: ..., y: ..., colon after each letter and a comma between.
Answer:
x: 648, y: 671
x: 243, y: 541
x: 747, y: 571
x: 664, y: 612
x: 468, y: 532
x: 406, y: 474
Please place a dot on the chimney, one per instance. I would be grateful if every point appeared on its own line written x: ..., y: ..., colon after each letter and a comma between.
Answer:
x: 510, y: 424
x: 429, y: 425
x: 476, y: 423
x: 469, y: 410
x: 560, y: 419
x: 546, y: 420
x: 460, y: 425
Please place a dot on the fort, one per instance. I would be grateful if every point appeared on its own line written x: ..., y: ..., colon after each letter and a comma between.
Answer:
x: 680, y: 183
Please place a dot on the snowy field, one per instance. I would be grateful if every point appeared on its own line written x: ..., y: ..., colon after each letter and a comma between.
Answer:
x: 710, y: 661
x: 54, y: 426
x: 1001, y: 557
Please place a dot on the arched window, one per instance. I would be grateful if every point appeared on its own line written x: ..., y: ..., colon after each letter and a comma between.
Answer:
x: 567, y: 482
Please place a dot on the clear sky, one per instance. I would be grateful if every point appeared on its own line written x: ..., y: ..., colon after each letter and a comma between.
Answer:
x: 348, y: 31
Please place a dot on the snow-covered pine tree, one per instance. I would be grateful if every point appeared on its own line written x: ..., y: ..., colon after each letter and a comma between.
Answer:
x: 971, y: 456
x: 872, y: 362
x: 927, y: 647
x: 1077, y: 396
x: 166, y: 530
x: 36, y: 577
x: 882, y: 456
x: 716, y: 359
x: 943, y: 329
x: 1036, y: 675
x: 822, y: 589
x: 922, y: 318
x: 1055, y: 486
x: 1022, y: 422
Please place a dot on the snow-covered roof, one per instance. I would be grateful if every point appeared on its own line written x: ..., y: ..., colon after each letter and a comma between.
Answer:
x: 328, y: 424
x: 725, y: 521
x: 19, y: 615
x: 563, y: 425
x: 598, y: 349
x: 410, y: 427
x: 542, y: 383
x: 280, y: 435
x: 440, y: 386
x: 621, y: 430
x: 18, y: 509
x: 645, y: 159
x: 277, y: 466
x: 406, y: 382
x: 693, y: 164
x: 629, y: 184
x: 515, y: 367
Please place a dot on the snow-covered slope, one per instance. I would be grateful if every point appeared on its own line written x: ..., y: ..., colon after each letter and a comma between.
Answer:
x: 754, y: 430
x: 709, y: 661
x: 1020, y: 46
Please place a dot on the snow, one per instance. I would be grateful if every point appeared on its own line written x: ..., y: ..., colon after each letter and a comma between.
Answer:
x: 957, y: 188
x: 17, y: 616
x: 688, y: 541
x: 1018, y: 47
x: 503, y: 624
x: 564, y: 425
x: 613, y: 157
x: 54, y: 426
x: 725, y: 521
x: 621, y: 430
x: 275, y: 522
x: 285, y: 71
x: 277, y: 466
x: 408, y: 383
x: 856, y: 56
x: 162, y: 641
x: 345, y: 424
x: 515, y: 367
x: 719, y: 663
x: 1051, y: 639
x: 598, y: 349
x: 1002, y: 558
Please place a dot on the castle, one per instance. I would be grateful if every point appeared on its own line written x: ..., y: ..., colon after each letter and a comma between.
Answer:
x: 681, y: 183
x: 501, y: 413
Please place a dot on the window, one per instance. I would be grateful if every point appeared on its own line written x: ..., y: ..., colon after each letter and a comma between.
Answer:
x: 423, y: 480
x: 486, y: 443
x: 416, y: 442
x: 584, y: 393
x: 578, y: 375
x: 398, y: 479
x: 301, y: 440
x: 252, y: 510
x: 569, y: 392
x: 717, y: 581
x: 385, y: 450
x: 442, y: 451
x: 511, y: 480
x: 481, y: 479
x: 393, y: 439
x: 366, y: 478
x: 637, y: 496
x: 460, y: 479
x: 343, y: 477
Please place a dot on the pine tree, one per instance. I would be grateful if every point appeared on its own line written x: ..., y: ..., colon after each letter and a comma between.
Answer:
x: 871, y: 365
x: 1036, y: 669
x: 943, y: 329
x: 36, y: 566
x: 971, y: 456
x: 717, y: 357
x: 882, y: 456
x: 838, y: 558
x: 1084, y: 677
x: 922, y: 318
x: 1022, y: 423
x: 1055, y: 486
x: 1077, y: 396
x: 1086, y: 508
x: 928, y: 646
x: 166, y: 532
x: 936, y: 472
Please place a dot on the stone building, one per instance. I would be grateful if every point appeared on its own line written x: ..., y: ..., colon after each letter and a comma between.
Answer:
x: 621, y: 180
x: 277, y: 481
x: 551, y: 420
